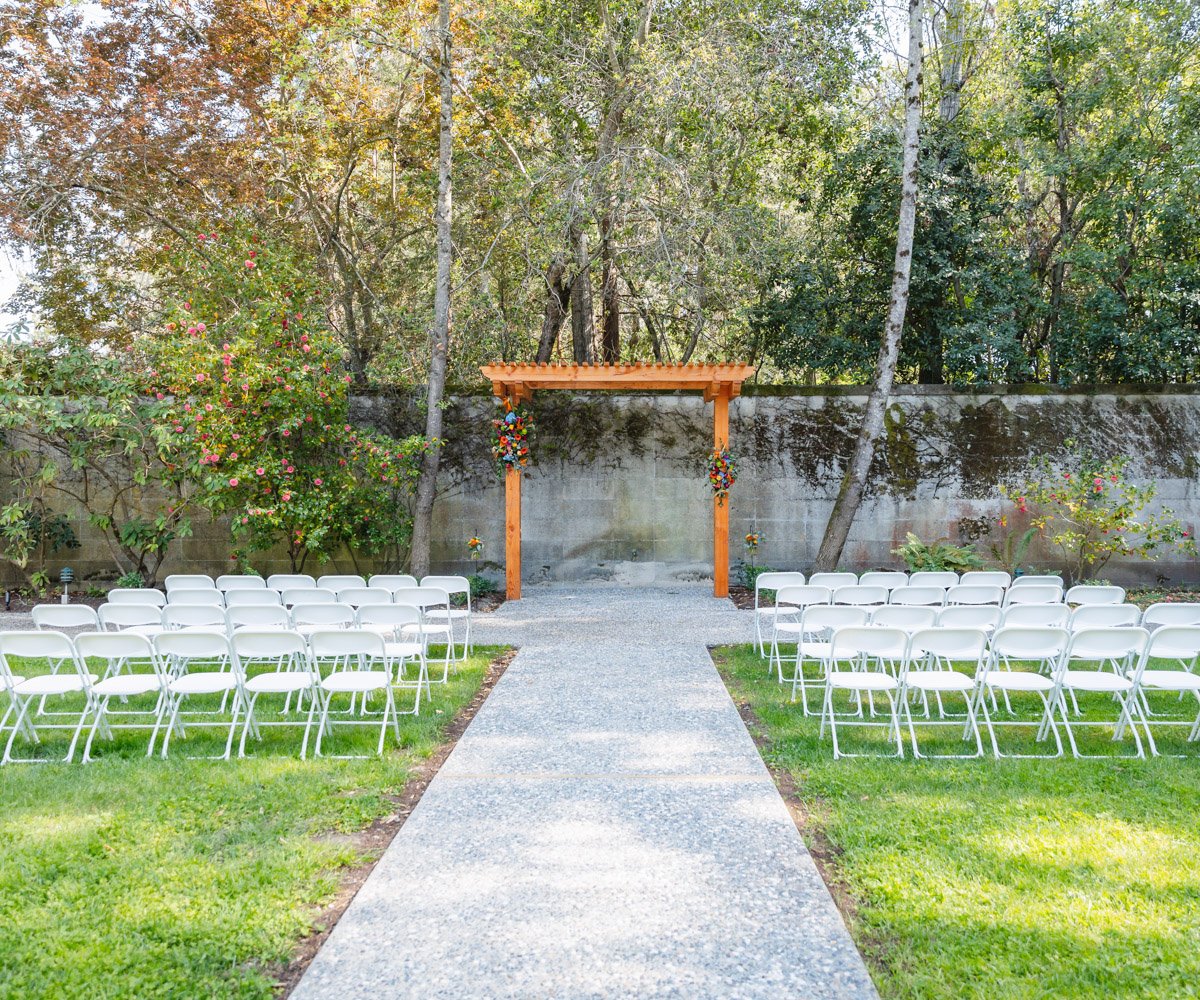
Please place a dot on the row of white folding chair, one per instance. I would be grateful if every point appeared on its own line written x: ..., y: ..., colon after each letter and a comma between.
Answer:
x: 284, y: 581
x: 928, y: 596
x: 163, y: 660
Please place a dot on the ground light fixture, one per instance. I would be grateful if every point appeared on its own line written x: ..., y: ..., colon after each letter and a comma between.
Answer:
x: 66, y: 577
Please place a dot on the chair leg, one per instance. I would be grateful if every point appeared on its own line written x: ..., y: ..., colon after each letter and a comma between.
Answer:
x: 101, y: 710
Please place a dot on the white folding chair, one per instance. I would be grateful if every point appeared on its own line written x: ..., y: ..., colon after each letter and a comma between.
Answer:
x: 1178, y: 644
x: 143, y: 619
x: 986, y: 578
x: 1119, y: 650
x: 1036, y: 615
x: 291, y: 581
x: 1010, y: 647
x: 199, y: 664
x: 183, y: 617
x: 931, y: 668
x: 426, y: 599
x: 131, y: 670
x: 981, y: 616
x: 356, y: 597
x: 771, y: 582
x: 358, y: 665
x: 1090, y: 593
x: 307, y: 595
x: 189, y: 581
x: 207, y: 598
x: 137, y: 595
x: 1045, y: 580
x: 884, y: 578
x: 309, y: 618
x: 969, y: 593
x: 340, y: 581
x: 1172, y: 613
x: 910, y: 595
x: 1105, y: 616
x: 1033, y: 593
x: 864, y: 660
x: 456, y: 587
x: 933, y: 578
x: 240, y: 581
x: 258, y: 617
x: 274, y: 662
x: 392, y: 581
x: 252, y: 598
x: 861, y: 596
x: 402, y: 629
x: 24, y: 689
x: 56, y: 617
x: 910, y: 618
x: 790, y: 600
x: 817, y: 624
x: 833, y: 580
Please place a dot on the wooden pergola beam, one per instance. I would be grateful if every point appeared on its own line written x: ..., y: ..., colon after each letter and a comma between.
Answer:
x: 718, y: 383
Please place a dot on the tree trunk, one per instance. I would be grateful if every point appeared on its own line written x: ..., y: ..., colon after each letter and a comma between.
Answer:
x: 855, y: 480
x: 952, y: 57
x: 440, y: 333
x: 582, y: 328
x: 557, y: 302
x: 610, y: 298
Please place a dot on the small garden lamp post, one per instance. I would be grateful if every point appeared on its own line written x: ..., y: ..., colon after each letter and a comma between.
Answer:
x: 66, y: 577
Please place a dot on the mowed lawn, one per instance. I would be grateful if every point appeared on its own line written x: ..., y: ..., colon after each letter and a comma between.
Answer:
x: 130, y: 877
x: 1002, y: 879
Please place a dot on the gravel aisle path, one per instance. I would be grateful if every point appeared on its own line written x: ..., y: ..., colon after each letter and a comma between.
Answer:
x: 604, y: 828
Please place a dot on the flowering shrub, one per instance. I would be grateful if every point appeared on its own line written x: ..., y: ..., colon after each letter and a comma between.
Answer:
x: 510, y: 442
x: 258, y: 392
x: 1087, y: 509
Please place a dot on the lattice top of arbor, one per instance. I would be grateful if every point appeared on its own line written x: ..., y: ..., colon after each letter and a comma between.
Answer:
x: 518, y: 381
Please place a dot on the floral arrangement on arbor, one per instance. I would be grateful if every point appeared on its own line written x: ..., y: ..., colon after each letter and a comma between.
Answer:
x: 1090, y: 511
x: 510, y: 443
x: 722, y: 473
x: 257, y: 389
x: 475, y: 547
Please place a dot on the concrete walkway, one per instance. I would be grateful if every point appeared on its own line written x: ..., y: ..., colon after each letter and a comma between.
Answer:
x: 604, y: 828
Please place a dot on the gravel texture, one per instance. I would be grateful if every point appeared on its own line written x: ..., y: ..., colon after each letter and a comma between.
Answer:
x: 604, y: 828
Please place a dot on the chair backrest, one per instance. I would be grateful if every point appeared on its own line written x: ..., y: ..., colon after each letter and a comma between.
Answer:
x: 189, y: 581
x: 918, y: 595
x: 1178, y: 643
x: 802, y: 596
x: 267, y: 644
x: 340, y: 581
x: 241, y: 581
x: 1037, y: 615
x: 199, y: 645
x: 64, y: 616
x: 933, y: 578
x: 257, y: 616
x: 175, y: 616
x: 35, y: 646
x: 120, y: 616
x: 884, y: 578
x: 1122, y: 647
x: 1033, y: 593
x: 775, y: 580
x: 1104, y: 616
x: 450, y: 584
x: 308, y: 595
x: 985, y: 578
x: 872, y: 642
x: 291, y: 581
x: 1090, y: 593
x: 908, y: 617
x: 833, y: 580
x: 860, y: 595
x: 1037, y: 581
x: 975, y: 593
x: 952, y: 645
x: 420, y: 597
x: 356, y: 597
x: 974, y: 616
x: 1033, y: 643
x: 118, y: 647
x: 212, y: 598
x: 137, y: 595
x: 1171, y: 613
x: 823, y: 617
x: 392, y: 581
x: 252, y: 598
x: 323, y: 614
x: 345, y: 642
x: 388, y: 614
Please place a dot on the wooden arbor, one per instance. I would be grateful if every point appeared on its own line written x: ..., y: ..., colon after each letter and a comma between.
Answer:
x: 719, y: 383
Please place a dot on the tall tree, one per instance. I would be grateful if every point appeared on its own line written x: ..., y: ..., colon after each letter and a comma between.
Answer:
x: 857, y: 470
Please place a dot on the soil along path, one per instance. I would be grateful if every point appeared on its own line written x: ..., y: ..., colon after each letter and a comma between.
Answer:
x: 604, y: 828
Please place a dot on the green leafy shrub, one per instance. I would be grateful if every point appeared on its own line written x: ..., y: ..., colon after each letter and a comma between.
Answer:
x: 941, y: 555
x: 130, y: 581
x: 749, y: 574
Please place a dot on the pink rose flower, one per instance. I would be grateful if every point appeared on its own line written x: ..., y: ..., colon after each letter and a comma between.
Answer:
x: 233, y: 481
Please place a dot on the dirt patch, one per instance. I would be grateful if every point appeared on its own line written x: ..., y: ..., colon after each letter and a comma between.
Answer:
x: 742, y: 598
x: 372, y: 841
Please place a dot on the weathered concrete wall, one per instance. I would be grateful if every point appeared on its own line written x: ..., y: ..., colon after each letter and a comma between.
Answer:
x: 617, y: 488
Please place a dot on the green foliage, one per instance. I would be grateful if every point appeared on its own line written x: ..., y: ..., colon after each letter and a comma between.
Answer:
x: 941, y: 555
x: 28, y: 531
x: 130, y: 581
x: 1089, y: 511
x: 258, y: 396
x: 1009, y: 551
x: 481, y: 585
x: 39, y: 582
x: 748, y: 573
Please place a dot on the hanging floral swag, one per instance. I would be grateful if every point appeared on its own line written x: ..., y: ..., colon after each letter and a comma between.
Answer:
x: 722, y: 473
x: 510, y: 440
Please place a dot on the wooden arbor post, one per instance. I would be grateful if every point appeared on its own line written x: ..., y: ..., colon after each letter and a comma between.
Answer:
x: 718, y: 383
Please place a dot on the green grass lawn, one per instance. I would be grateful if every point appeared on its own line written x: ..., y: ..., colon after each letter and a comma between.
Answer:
x: 130, y: 877
x: 999, y: 879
